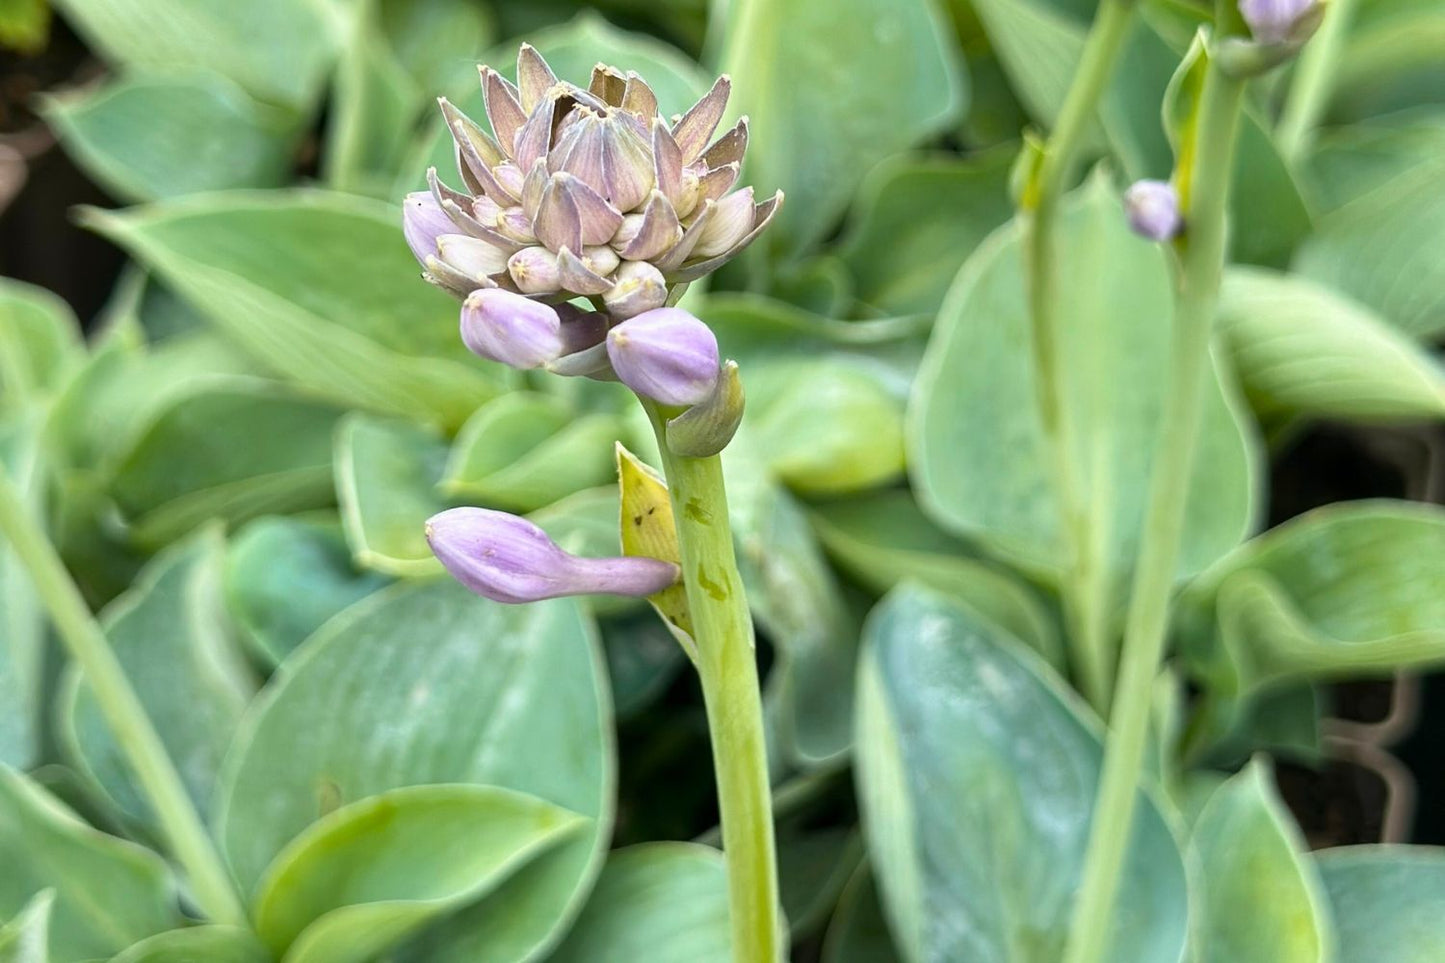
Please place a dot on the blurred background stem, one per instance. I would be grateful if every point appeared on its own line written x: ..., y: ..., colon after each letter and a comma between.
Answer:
x: 184, y: 831
x: 1313, y: 81
x: 1085, y: 589
x: 727, y: 667
x: 1202, y: 250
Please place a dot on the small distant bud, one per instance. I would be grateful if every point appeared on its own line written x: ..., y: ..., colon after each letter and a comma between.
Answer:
x: 601, y: 260
x: 535, y: 271
x: 665, y: 354
x: 639, y: 287
x: 517, y: 331
x: 1280, y: 21
x: 508, y: 559
x: 1153, y: 210
x: 422, y: 222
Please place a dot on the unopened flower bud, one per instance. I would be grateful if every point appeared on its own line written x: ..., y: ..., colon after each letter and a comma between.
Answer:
x: 731, y: 220
x: 665, y: 354
x: 476, y: 259
x: 1153, y: 210
x: 1279, y: 21
x: 422, y: 222
x: 639, y: 287
x: 535, y: 271
x: 515, y: 330
x: 508, y: 559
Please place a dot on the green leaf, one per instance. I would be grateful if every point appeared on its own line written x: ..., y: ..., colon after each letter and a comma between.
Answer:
x: 437, y: 41
x: 870, y: 78
x: 198, y: 944
x: 642, y: 659
x: 979, y: 458
x: 26, y: 938
x: 977, y: 775
x: 1038, y: 47
x: 386, y: 477
x: 918, y: 219
x: 285, y: 576
x: 1351, y: 589
x: 39, y: 342
x: 1386, y: 902
x: 660, y: 902
x: 231, y: 448
x: 375, y: 103
x: 1379, y: 249
x: 1300, y: 349
x: 1350, y: 162
x: 470, y: 691
x: 858, y: 932
x: 370, y: 874
x: 1262, y: 901
x: 884, y: 539
x: 201, y: 133
x: 525, y: 450
x: 1390, y: 60
x: 322, y: 289
x: 828, y: 426
x: 277, y: 50
x: 23, y: 624
x: 172, y: 638
x: 814, y: 865
x: 108, y: 893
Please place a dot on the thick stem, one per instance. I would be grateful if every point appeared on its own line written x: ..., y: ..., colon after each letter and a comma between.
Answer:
x: 184, y: 832
x: 1086, y: 587
x: 727, y: 667
x: 1313, y: 81
x: 1203, y: 262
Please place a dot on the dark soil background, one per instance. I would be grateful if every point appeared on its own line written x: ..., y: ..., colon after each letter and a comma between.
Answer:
x: 1344, y: 801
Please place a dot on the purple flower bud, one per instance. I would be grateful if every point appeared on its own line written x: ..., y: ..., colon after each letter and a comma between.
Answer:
x: 422, y: 222
x: 665, y: 354
x: 1274, y: 21
x: 534, y: 270
x: 508, y: 559
x: 517, y: 331
x: 1153, y: 210
x: 639, y: 287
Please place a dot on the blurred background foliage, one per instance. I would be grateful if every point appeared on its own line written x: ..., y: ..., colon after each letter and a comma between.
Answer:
x: 267, y: 402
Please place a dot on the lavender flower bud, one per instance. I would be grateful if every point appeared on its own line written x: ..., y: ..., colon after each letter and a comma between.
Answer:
x: 639, y: 287
x: 422, y: 222
x: 508, y: 559
x: 1153, y: 210
x: 665, y: 354
x: 535, y: 271
x: 1277, y: 21
x: 517, y: 331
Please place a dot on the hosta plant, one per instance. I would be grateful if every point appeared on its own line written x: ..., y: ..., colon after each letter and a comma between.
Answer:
x: 486, y: 524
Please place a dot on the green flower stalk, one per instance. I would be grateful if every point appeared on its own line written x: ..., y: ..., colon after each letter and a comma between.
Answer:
x: 585, y: 214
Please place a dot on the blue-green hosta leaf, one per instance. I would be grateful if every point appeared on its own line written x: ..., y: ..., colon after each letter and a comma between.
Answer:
x: 22, y: 621
x: 1348, y: 162
x: 387, y: 473
x: 873, y: 77
x: 1262, y: 899
x: 425, y: 683
x: 438, y: 42
x: 814, y: 866
x: 1380, y: 249
x: 109, y: 893
x: 277, y: 50
x: 1038, y: 46
x: 285, y: 576
x: 979, y: 458
x: 230, y: 448
x: 322, y: 289
x: 39, y: 342
x: 660, y: 902
x: 525, y: 450
x: 1386, y: 902
x: 375, y: 103
x: 365, y: 877
x: 171, y: 635
x: 1351, y: 589
x: 150, y: 137
x: 858, y: 932
x: 198, y: 944
x: 918, y: 220
x: 26, y: 937
x: 977, y: 776
x: 883, y: 539
x: 1390, y: 60
x: 1301, y: 349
